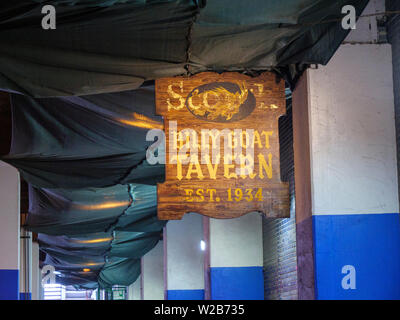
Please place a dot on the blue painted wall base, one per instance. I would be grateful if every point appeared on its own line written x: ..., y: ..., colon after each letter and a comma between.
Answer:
x: 237, y: 283
x: 25, y: 296
x: 9, y: 284
x: 185, y: 294
x: 368, y: 242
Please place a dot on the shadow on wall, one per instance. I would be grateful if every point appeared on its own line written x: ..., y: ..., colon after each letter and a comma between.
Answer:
x: 279, y: 235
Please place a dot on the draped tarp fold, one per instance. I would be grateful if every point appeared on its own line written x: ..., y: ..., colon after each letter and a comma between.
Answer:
x: 82, y: 230
x: 122, y: 271
x: 81, y: 211
x: 90, y: 141
x: 95, y: 256
x: 114, y: 46
x: 80, y: 156
x: 76, y: 211
x: 94, y: 49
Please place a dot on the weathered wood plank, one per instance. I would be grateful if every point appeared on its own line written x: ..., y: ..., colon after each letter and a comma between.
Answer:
x: 243, y: 112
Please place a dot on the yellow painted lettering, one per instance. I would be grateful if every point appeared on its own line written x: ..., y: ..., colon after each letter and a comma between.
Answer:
x: 194, y: 161
x: 211, y: 193
x: 267, y: 134
x: 263, y: 165
x: 200, y: 193
x: 189, y: 193
x: 212, y: 170
x: 228, y: 174
x: 257, y: 139
x: 176, y: 96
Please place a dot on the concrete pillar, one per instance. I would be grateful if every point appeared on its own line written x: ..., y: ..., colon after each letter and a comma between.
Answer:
x: 347, y: 212
x: 393, y: 28
x: 36, y: 273
x: 134, y: 291
x: 184, y: 259
x: 41, y: 288
x: 236, y: 258
x: 25, y: 275
x: 9, y: 232
x: 152, y: 275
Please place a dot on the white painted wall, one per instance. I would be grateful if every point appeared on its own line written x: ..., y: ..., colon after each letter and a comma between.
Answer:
x: 36, y: 274
x: 236, y: 242
x: 153, y: 273
x: 134, y: 290
x: 366, y: 28
x: 185, y: 268
x: 10, y: 217
x: 353, y: 145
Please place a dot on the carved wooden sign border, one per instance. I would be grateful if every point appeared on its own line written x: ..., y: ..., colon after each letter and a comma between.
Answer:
x: 204, y: 115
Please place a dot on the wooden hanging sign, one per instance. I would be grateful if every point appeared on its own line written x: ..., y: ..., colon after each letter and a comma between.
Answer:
x: 222, y: 145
